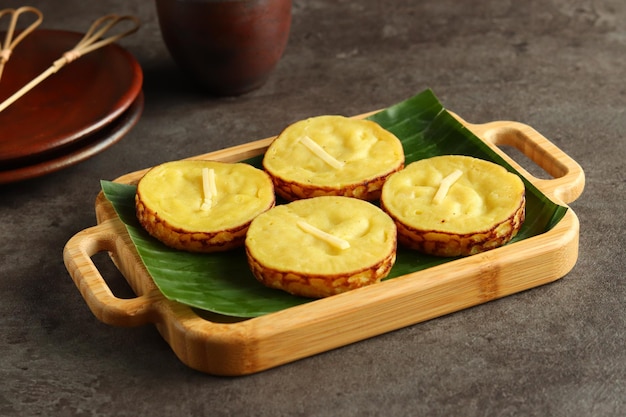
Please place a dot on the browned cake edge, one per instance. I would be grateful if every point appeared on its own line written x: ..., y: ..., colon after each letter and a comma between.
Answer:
x: 192, y: 241
x: 440, y: 243
x: 321, y: 285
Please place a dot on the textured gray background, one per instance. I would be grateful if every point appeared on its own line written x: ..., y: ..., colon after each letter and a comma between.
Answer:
x: 558, y: 350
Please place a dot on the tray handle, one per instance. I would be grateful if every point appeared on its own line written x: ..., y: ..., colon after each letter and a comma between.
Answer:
x: 101, y: 301
x: 568, y: 179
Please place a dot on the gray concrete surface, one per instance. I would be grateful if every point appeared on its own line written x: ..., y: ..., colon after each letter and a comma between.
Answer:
x: 558, y: 350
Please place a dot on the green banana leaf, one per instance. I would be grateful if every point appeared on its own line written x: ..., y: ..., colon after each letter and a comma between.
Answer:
x: 222, y: 283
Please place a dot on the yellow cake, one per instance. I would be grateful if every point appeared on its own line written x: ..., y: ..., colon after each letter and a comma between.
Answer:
x: 202, y: 206
x: 321, y: 246
x: 454, y: 205
x: 333, y: 155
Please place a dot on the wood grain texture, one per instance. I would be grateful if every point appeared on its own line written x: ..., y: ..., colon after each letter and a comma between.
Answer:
x: 223, y: 346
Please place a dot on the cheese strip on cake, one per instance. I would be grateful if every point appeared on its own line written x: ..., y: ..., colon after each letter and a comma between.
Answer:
x: 333, y: 155
x: 454, y: 205
x: 202, y: 206
x: 321, y: 246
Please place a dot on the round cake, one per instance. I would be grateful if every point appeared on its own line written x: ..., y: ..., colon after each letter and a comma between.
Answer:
x: 202, y: 206
x: 454, y: 205
x: 333, y: 155
x: 321, y: 246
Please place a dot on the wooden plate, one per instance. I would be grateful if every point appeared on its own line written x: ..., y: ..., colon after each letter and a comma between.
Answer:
x: 80, y: 99
x: 78, y: 151
x: 226, y: 346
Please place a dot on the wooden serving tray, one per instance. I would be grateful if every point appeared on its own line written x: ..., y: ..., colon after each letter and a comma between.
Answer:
x: 227, y: 346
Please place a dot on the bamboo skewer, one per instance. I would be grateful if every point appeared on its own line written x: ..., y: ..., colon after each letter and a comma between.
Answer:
x: 90, y: 42
x: 9, y: 43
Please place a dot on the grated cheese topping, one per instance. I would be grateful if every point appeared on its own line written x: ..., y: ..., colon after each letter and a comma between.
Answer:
x: 326, y: 237
x: 445, y: 185
x: 321, y: 153
x: 209, y: 189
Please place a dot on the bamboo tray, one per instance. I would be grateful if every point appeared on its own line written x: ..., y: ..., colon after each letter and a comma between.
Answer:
x: 227, y: 346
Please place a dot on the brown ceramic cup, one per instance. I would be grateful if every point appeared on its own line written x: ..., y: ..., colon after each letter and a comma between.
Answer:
x: 229, y: 47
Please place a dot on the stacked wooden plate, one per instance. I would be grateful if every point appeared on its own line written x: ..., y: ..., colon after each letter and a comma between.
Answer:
x: 76, y: 113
